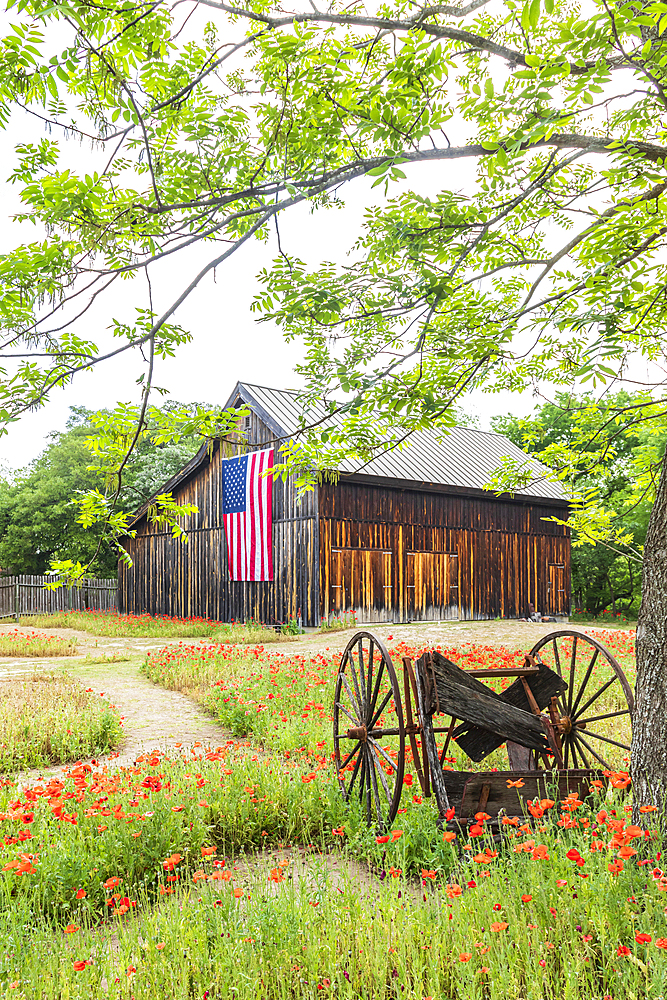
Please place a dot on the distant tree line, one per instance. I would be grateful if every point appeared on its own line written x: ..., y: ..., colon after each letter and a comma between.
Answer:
x: 616, y: 469
x: 38, y: 521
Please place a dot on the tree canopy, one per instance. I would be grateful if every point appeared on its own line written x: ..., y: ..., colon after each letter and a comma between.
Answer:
x: 611, y: 465
x: 39, y: 523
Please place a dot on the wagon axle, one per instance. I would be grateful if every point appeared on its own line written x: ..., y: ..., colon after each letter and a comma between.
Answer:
x: 544, y: 717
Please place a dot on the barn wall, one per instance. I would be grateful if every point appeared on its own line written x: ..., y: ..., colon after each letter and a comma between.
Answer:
x: 500, y: 554
x: 168, y: 577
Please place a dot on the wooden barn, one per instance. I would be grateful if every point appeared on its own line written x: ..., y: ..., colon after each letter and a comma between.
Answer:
x: 413, y: 537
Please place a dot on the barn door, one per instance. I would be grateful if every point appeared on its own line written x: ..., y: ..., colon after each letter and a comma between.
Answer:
x: 361, y: 581
x: 432, y: 586
x: 556, y: 594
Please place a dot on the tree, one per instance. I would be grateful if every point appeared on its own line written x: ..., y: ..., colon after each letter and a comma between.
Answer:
x: 613, y: 474
x: 38, y: 522
x: 546, y: 267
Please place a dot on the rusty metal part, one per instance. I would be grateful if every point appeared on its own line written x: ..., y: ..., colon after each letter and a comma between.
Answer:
x: 358, y: 733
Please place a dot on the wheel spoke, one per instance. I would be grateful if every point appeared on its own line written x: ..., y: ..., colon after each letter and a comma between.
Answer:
x: 605, y: 739
x: 556, y: 657
x: 360, y: 700
x: 355, y: 704
x: 362, y: 676
x: 581, y: 752
x: 343, y: 709
x: 566, y: 751
x: 599, y: 718
x: 598, y: 693
x: 376, y: 691
x: 383, y: 753
x: 374, y: 784
x: 380, y: 710
x: 575, y: 762
x: 382, y: 778
x: 595, y: 754
x: 349, y: 756
x: 596, y: 653
x: 573, y: 665
x: 354, y: 776
x: 369, y: 677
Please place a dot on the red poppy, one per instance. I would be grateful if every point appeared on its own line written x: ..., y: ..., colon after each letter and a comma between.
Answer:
x: 643, y: 938
x: 502, y: 926
x: 661, y: 942
x: 526, y: 898
x: 112, y: 882
x: 382, y: 840
x: 208, y: 851
x: 428, y: 873
x: 71, y: 929
x: 81, y: 894
x: 448, y: 836
x: 80, y: 966
x: 623, y: 950
x: 465, y: 956
x: 338, y: 831
x: 396, y: 834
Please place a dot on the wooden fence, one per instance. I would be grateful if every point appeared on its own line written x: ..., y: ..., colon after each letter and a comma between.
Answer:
x: 26, y: 595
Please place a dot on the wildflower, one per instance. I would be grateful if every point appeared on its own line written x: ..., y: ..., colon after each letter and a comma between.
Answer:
x: 661, y: 942
x: 160, y: 945
x: 208, y: 851
x: 80, y: 966
x: 396, y: 834
x: 237, y: 893
x: 382, y: 840
x: 453, y: 890
x: 448, y: 836
x: 428, y: 873
x: 648, y: 809
x: 72, y: 929
x: 502, y: 926
x: 615, y: 867
x: 623, y: 950
x: 465, y: 956
x: 561, y: 883
x: 277, y: 875
x: 112, y: 882
x: 643, y: 938
x: 395, y: 872
x: 81, y: 894
x: 526, y: 898
x: 516, y: 784
x: 338, y: 832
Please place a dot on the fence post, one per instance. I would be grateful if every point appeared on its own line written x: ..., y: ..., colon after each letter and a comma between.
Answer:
x: 16, y: 601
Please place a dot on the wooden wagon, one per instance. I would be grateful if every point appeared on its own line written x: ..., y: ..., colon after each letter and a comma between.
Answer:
x: 546, y: 718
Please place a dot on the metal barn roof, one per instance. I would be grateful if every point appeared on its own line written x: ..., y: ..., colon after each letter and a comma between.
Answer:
x: 462, y: 457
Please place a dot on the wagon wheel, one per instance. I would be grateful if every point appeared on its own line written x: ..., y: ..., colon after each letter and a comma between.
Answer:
x: 369, y: 734
x: 597, y: 701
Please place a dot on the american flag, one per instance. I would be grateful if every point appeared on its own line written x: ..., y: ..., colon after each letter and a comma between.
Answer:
x: 247, y: 497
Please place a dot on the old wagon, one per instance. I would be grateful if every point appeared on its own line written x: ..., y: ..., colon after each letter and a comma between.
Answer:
x: 559, y: 719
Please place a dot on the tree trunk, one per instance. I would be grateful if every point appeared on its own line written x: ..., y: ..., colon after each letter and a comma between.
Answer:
x: 649, y: 736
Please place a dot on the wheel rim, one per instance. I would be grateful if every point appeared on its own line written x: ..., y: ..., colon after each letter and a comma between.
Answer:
x: 596, y: 709
x: 369, y: 734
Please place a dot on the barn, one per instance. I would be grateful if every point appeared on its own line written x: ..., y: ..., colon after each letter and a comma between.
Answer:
x: 411, y: 537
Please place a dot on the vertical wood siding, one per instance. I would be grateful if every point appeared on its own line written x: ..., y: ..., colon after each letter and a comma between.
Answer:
x: 452, y: 556
x: 183, y: 580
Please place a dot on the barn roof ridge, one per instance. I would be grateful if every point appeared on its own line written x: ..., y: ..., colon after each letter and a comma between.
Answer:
x: 438, y: 460
x: 295, y: 392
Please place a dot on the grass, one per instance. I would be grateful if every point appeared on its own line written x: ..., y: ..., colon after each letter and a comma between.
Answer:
x: 88, y: 660
x: 154, y: 871
x: 50, y: 719
x: 110, y: 624
x: 35, y: 645
x: 338, y: 623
